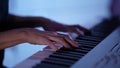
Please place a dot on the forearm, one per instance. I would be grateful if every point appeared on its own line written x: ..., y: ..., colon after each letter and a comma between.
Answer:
x: 11, y: 38
x: 11, y: 35
x: 28, y: 22
x: 10, y: 44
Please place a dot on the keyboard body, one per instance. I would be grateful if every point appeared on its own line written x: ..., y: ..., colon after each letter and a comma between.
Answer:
x: 105, y: 55
x: 93, y: 47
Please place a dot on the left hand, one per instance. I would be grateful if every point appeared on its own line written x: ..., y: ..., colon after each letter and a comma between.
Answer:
x: 53, y: 26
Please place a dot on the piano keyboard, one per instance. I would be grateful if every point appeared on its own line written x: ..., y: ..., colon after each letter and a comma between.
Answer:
x: 65, y: 58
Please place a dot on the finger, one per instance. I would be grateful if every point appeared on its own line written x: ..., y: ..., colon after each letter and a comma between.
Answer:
x: 78, y: 31
x: 49, y: 43
x: 70, y: 41
x: 60, y: 40
x: 74, y: 29
x: 81, y: 28
x: 39, y: 37
x: 51, y: 33
x: 46, y: 41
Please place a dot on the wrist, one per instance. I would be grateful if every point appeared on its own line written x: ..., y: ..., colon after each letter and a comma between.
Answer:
x: 23, y: 36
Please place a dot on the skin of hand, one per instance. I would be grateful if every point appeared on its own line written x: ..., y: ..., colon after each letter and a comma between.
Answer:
x: 16, y: 36
x: 47, y: 24
x: 64, y: 28
x: 34, y: 36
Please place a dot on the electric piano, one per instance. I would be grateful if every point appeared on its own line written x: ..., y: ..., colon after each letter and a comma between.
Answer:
x: 98, y: 49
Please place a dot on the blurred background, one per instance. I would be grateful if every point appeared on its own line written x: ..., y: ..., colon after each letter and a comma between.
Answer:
x: 86, y: 13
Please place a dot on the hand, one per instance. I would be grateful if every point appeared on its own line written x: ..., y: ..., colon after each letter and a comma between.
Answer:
x: 53, y: 26
x: 46, y: 23
x: 48, y: 38
x: 34, y: 36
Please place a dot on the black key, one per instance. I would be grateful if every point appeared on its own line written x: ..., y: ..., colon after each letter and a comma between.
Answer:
x: 83, y: 48
x: 87, y: 33
x: 68, y: 54
x: 99, y: 34
x: 47, y: 65
x: 58, y: 61
x: 65, y: 56
x: 84, y: 42
x: 102, y: 30
x: 61, y: 59
x: 90, y: 38
x: 71, y: 52
x: 75, y: 50
x: 88, y: 46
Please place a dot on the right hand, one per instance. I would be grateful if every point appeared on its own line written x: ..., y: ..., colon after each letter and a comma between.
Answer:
x: 34, y: 36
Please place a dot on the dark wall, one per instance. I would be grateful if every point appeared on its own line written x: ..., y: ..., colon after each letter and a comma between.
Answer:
x: 3, y: 9
x: 115, y: 7
x: 3, y: 15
